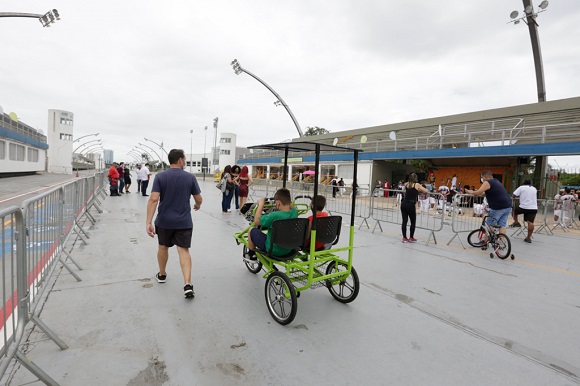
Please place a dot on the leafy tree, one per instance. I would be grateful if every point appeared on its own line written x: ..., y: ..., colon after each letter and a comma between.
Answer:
x: 569, y: 179
x: 312, y: 131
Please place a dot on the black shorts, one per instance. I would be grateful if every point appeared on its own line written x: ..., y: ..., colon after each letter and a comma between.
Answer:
x: 529, y: 214
x: 171, y: 237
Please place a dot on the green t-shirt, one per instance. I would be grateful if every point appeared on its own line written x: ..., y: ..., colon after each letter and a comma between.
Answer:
x: 268, y: 219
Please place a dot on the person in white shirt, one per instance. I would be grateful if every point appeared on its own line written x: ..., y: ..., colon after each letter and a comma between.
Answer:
x: 528, y: 206
x: 443, y: 190
x: 143, y: 175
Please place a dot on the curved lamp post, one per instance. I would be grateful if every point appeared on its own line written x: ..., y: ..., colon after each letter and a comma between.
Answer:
x: 84, y: 136
x: 134, y: 153
x: 157, y: 154
x: 160, y: 146
x: 46, y: 20
x: 530, y: 19
x: 86, y: 143
x: 134, y: 157
x: 238, y: 70
x: 145, y: 151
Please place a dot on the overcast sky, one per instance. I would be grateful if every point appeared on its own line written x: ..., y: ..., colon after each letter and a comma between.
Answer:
x: 132, y: 69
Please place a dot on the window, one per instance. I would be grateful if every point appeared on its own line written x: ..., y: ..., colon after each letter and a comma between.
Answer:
x: 16, y: 152
x: 66, y: 137
x: 346, y: 171
x: 66, y: 121
x: 225, y: 140
x: 225, y: 152
x: 2, y: 149
x: 32, y: 155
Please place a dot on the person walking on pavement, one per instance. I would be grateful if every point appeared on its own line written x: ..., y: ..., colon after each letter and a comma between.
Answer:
x: 498, y: 199
x: 172, y: 190
x: 144, y: 174
x: 528, y: 206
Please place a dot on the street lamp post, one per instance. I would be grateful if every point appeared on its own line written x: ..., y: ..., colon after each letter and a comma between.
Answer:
x: 279, y: 101
x: 530, y: 19
x: 215, y: 158
x: 46, y: 20
x: 204, y: 159
x: 144, y: 151
x: 190, y: 149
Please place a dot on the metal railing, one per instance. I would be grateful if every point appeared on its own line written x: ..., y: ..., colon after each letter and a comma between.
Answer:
x: 34, y: 238
x: 476, y: 134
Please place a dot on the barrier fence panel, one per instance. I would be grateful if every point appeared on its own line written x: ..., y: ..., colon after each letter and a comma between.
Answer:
x: 539, y: 221
x: 15, y: 293
x: 466, y: 212
x: 340, y: 202
x: 12, y: 228
x: 386, y: 207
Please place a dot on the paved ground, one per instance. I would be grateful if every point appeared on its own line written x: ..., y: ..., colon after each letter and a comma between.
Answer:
x: 426, y: 314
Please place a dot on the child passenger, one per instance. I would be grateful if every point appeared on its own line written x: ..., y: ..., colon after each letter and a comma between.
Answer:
x: 257, y: 238
x: 320, y: 204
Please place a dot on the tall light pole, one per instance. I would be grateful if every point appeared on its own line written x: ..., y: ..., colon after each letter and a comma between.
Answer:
x: 204, y: 167
x: 215, y: 154
x: 530, y: 19
x: 190, y: 149
x: 279, y: 101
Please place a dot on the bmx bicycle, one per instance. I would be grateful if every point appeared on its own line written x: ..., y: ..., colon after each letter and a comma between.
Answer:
x: 304, y: 267
x: 488, y: 236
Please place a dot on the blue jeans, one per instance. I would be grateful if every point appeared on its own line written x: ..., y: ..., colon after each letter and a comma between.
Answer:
x: 227, y: 200
x: 237, y: 196
x: 498, y: 216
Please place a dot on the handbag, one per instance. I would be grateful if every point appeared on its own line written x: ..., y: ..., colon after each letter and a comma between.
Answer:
x: 221, y: 185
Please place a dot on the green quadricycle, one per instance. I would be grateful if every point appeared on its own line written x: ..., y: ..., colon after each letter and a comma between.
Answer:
x: 305, y: 266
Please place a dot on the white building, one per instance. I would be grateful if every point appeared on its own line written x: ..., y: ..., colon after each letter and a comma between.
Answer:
x: 60, y: 141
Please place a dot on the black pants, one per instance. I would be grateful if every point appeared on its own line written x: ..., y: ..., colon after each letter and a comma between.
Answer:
x: 408, y: 212
x: 144, y: 185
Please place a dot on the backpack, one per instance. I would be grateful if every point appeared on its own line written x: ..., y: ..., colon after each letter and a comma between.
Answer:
x: 222, y: 184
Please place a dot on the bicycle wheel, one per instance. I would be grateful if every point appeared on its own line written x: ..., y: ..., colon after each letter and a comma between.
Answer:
x: 502, y: 246
x: 281, y: 298
x: 476, y: 238
x: 253, y: 267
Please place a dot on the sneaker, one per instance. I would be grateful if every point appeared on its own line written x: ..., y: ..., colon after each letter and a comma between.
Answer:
x: 188, y: 291
x: 528, y: 240
x: 516, y: 225
x: 251, y: 257
x: 412, y: 239
x: 405, y: 240
x: 161, y: 278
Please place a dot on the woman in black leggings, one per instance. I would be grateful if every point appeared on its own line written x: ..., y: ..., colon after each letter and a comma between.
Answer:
x: 408, y: 206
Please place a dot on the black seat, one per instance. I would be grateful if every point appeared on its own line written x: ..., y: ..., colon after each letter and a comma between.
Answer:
x: 288, y: 234
x: 328, y: 230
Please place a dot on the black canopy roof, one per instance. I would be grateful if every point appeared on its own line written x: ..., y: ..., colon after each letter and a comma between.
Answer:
x: 305, y: 146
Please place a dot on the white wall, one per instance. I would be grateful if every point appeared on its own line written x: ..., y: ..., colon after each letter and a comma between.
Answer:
x: 227, y: 144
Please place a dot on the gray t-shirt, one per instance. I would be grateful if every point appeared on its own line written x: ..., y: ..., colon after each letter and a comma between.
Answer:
x: 175, y: 187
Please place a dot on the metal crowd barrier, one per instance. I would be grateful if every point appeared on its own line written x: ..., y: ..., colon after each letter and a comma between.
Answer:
x: 34, y: 239
x: 386, y: 207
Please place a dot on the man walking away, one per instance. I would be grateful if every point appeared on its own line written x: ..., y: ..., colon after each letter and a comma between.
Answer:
x: 528, y: 206
x: 172, y: 190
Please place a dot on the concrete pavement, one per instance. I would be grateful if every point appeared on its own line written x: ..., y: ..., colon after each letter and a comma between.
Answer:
x: 426, y: 314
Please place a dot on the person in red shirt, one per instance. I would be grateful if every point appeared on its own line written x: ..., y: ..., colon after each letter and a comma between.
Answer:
x: 113, y: 177
x: 320, y: 204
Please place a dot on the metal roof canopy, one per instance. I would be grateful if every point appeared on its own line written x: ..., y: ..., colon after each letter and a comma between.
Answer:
x: 316, y: 148
x: 306, y: 146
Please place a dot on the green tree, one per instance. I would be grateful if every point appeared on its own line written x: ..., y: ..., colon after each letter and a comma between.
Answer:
x: 312, y: 131
x: 569, y: 179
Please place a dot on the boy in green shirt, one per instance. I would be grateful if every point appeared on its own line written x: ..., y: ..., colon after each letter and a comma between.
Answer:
x: 284, y: 210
